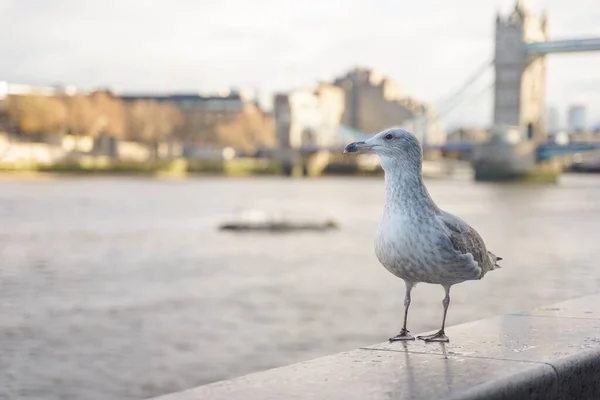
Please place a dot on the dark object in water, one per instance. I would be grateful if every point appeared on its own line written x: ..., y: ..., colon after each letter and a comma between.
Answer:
x: 279, y: 226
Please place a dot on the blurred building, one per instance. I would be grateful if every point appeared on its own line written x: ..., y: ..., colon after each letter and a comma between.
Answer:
x: 15, y: 89
x: 552, y: 120
x: 309, y: 118
x: 426, y: 126
x: 228, y: 119
x: 476, y: 135
x: 202, y: 113
x: 577, y: 119
x: 374, y: 102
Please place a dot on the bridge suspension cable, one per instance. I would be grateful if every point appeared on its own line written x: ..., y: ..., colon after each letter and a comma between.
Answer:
x: 450, y: 101
x: 470, y: 99
x: 448, y: 104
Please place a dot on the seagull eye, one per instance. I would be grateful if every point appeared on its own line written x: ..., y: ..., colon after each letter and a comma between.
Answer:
x: 389, y: 136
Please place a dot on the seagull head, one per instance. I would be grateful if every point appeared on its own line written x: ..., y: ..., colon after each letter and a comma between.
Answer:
x: 393, y: 146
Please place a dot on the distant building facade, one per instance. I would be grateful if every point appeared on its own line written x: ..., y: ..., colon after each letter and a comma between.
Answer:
x: 374, y: 102
x: 15, y: 89
x: 202, y: 114
x: 577, y: 119
x: 231, y: 119
x: 308, y: 118
x: 552, y: 120
x: 218, y: 119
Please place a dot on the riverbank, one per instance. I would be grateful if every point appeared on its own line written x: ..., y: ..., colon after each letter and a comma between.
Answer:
x: 176, y: 167
x: 236, y: 167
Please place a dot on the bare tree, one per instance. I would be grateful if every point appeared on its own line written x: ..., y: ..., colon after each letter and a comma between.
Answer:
x: 249, y: 130
x: 95, y: 113
x: 151, y: 122
x: 37, y: 114
x: 111, y: 111
x: 80, y: 115
x: 199, y: 126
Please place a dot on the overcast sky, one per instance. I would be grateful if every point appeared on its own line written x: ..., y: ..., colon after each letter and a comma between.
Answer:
x: 429, y: 47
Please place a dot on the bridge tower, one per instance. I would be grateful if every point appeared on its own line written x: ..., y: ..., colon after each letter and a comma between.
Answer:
x: 520, y: 87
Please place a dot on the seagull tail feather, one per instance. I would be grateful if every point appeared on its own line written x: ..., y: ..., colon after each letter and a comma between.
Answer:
x: 494, y: 259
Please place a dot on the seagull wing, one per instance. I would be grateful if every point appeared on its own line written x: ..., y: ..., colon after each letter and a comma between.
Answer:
x: 466, y: 240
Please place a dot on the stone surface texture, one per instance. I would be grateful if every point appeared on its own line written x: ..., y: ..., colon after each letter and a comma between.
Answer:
x: 549, y: 353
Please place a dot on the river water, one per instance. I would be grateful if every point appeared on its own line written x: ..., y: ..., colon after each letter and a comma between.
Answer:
x: 123, y: 288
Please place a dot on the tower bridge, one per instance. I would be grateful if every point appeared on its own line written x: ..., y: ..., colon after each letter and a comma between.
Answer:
x: 563, y: 46
x: 522, y: 45
x: 518, y: 145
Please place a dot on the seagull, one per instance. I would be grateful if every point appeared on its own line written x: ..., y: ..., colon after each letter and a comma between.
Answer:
x: 416, y: 240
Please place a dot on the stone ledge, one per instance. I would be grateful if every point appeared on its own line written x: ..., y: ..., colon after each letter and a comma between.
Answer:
x: 550, y: 353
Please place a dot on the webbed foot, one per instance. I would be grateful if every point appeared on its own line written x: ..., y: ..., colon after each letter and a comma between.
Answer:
x: 439, y: 336
x: 403, y: 335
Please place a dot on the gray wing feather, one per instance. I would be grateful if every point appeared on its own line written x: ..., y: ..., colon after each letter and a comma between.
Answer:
x: 466, y: 240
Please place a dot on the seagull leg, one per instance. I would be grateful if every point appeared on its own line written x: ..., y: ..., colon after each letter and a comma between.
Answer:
x: 440, y: 336
x: 404, y: 333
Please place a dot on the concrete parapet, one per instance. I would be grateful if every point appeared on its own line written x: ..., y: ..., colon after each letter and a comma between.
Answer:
x: 550, y: 353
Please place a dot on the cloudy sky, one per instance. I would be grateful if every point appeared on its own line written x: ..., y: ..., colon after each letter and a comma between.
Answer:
x: 429, y: 47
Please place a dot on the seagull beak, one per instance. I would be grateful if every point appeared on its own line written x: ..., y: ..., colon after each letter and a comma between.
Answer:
x: 357, y: 146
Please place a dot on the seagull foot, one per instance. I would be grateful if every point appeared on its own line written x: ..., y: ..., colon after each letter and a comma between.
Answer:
x: 403, y: 335
x: 439, y: 336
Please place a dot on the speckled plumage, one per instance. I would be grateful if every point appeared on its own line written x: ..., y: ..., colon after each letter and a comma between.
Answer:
x: 416, y: 240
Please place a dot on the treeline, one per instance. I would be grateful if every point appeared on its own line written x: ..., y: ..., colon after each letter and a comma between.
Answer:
x: 93, y: 114
x: 146, y: 121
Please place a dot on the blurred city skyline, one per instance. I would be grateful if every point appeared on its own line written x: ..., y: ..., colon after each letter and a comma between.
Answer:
x: 429, y: 48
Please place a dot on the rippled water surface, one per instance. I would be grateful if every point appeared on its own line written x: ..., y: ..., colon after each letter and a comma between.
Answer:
x: 118, y: 288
